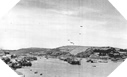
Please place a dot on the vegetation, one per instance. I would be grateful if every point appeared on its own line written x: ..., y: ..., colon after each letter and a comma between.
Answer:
x: 93, y: 54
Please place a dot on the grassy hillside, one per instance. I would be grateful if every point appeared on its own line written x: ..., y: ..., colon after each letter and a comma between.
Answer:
x: 69, y: 49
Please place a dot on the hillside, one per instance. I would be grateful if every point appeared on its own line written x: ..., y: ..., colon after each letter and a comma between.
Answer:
x: 63, y: 50
x: 25, y: 51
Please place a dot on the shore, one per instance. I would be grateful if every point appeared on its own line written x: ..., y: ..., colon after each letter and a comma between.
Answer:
x: 57, y: 68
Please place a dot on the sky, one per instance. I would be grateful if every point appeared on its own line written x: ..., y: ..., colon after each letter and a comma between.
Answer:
x: 54, y: 23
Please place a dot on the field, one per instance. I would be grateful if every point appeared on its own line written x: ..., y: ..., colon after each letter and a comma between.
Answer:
x: 56, y: 68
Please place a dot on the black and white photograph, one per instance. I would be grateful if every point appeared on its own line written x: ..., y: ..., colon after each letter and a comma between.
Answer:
x: 63, y: 38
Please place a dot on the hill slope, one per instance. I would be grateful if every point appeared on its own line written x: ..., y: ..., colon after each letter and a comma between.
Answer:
x: 72, y: 49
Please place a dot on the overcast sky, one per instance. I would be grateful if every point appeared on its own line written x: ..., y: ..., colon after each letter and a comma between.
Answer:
x: 54, y: 23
